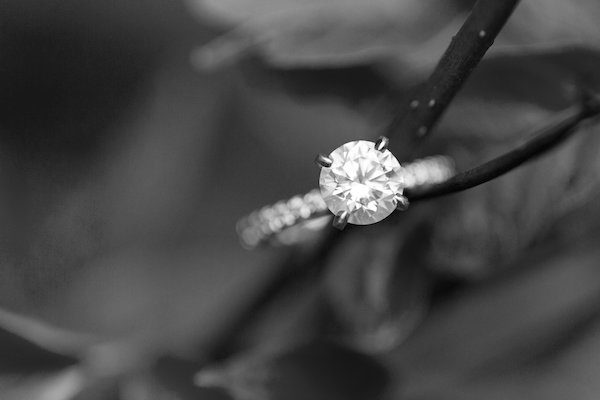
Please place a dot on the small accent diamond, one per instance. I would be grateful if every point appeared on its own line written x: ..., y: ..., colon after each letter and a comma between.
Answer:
x: 363, y: 181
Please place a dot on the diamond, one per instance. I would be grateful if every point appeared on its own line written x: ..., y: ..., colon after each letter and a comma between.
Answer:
x: 362, y: 181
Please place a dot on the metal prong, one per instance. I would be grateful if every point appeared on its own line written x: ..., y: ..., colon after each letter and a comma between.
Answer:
x: 340, y: 220
x: 402, y: 203
x: 382, y: 143
x: 323, y: 161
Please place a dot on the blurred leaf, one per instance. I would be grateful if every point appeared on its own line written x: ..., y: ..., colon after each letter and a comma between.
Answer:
x: 539, y: 25
x: 413, y: 33
x: 485, y: 229
x: 101, y: 389
x: 515, y: 337
x: 29, y: 371
x: 350, y: 85
x: 508, y: 95
x: 316, y: 371
x: 49, y: 85
x: 377, y: 285
x: 295, y: 316
x: 43, y: 335
x: 106, y: 244
x: 357, y: 51
x: 20, y: 356
x: 506, y: 99
x: 321, y: 33
x: 62, y: 385
x: 173, y: 378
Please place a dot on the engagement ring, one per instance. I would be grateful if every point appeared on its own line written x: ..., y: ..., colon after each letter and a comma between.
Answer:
x: 361, y: 183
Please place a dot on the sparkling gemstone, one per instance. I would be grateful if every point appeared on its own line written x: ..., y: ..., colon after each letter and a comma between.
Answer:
x: 362, y: 181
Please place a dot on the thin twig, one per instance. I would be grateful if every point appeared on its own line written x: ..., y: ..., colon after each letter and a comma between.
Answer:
x: 417, y: 118
x: 561, y: 126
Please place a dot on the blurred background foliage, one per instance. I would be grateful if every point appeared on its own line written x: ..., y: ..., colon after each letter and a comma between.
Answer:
x: 133, y: 134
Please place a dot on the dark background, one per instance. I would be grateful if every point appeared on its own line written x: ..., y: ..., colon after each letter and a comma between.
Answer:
x: 133, y: 135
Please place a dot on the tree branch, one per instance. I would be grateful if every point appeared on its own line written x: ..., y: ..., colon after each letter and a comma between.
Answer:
x: 417, y: 118
x: 562, y: 126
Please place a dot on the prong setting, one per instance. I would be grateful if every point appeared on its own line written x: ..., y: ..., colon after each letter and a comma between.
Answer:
x: 382, y: 143
x: 402, y: 202
x: 363, y: 181
x: 323, y: 161
x: 341, y: 220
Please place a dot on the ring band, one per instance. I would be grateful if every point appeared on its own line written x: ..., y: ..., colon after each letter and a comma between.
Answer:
x: 292, y: 221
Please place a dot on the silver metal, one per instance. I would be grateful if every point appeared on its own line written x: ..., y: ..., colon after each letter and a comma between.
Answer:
x: 323, y: 161
x: 341, y: 220
x: 270, y: 224
x: 302, y: 217
x: 428, y: 171
x: 402, y: 203
x: 382, y: 143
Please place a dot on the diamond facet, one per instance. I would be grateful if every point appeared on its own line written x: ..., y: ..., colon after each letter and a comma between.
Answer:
x: 362, y: 181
